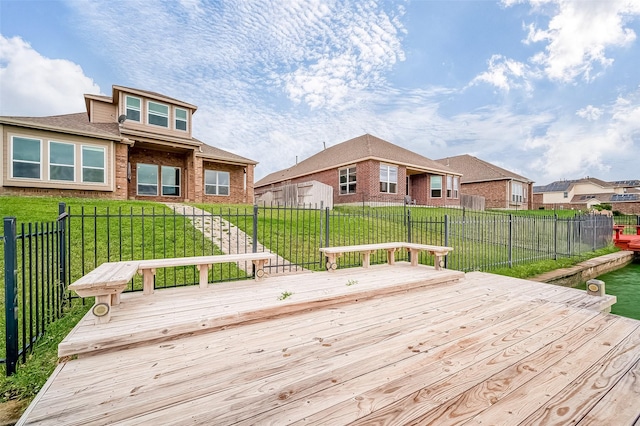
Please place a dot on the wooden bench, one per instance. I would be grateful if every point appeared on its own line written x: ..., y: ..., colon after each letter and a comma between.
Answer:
x: 148, y: 267
x: 333, y: 253
x: 105, y: 283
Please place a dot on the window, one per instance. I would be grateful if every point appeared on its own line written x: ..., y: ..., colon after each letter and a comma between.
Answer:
x: 62, y: 161
x: 216, y: 183
x: 181, y: 119
x: 93, y: 160
x: 170, y: 181
x: 456, y: 185
x: 158, y: 114
x: 26, y: 154
x: 348, y: 180
x: 449, y: 186
x: 133, y: 108
x: 388, y: 178
x: 516, y: 192
x: 565, y: 194
x: 436, y: 186
x: 147, y: 179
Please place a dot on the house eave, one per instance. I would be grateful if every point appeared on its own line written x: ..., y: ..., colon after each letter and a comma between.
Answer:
x: 31, y: 125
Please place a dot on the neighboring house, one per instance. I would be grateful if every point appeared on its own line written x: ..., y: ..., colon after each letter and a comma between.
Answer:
x: 624, y: 196
x: 369, y: 169
x: 501, y: 188
x: 133, y: 145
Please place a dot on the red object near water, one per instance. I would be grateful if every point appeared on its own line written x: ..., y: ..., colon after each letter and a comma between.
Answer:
x: 626, y: 242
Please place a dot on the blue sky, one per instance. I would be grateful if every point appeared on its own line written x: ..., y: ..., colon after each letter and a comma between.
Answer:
x: 549, y: 89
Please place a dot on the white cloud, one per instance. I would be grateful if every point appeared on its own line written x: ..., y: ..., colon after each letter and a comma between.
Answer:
x: 505, y: 74
x: 578, y: 35
x: 571, y: 148
x: 36, y: 85
x: 590, y: 113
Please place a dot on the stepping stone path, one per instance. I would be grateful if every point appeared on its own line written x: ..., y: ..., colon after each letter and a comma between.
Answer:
x: 229, y: 238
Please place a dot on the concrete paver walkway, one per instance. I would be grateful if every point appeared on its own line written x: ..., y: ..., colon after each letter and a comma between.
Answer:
x: 229, y: 238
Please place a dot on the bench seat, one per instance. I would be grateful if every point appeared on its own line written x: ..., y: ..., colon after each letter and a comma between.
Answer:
x: 105, y: 283
x: 333, y: 253
x: 148, y: 267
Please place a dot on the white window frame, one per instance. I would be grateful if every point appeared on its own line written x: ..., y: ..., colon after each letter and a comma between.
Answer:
x: 517, y: 196
x: 150, y: 184
x: 456, y: 186
x: 344, y: 187
x: 449, y: 186
x: 103, y: 168
x: 387, y: 170
x: 157, y: 114
x: 12, y: 160
x: 73, y: 161
x: 162, y: 185
x: 432, y: 188
x: 217, y: 185
x: 176, y: 119
x: 127, y: 108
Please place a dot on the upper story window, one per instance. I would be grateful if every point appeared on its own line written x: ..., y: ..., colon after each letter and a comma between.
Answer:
x: 181, y: 119
x: 388, y: 179
x: 348, y: 180
x: 133, y: 108
x: 216, y: 183
x: 26, y: 156
x: 93, y: 164
x: 565, y: 194
x: 436, y: 186
x: 62, y: 161
x: 516, y: 192
x: 158, y: 114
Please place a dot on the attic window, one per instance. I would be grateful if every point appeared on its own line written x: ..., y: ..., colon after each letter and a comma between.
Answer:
x: 133, y: 108
x: 158, y: 114
x: 181, y: 119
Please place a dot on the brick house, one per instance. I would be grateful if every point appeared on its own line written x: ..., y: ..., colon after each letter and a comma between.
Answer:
x: 135, y: 145
x: 583, y: 194
x: 501, y: 188
x: 369, y: 169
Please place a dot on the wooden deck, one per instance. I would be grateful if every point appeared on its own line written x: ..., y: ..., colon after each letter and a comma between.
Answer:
x: 384, y: 345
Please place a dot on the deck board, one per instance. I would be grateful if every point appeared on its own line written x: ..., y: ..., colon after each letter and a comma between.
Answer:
x: 403, y: 345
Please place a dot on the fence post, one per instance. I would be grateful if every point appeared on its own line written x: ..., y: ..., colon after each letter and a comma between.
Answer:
x: 326, y: 227
x: 510, y: 246
x: 11, y: 294
x: 446, y: 237
x: 555, y: 236
x: 254, y: 235
x: 409, y: 226
x: 62, y: 245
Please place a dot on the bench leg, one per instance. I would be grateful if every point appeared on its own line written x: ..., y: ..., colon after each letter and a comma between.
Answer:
x: 436, y: 261
x: 331, y: 261
x: 147, y: 280
x: 414, y: 256
x: 391, y: 256
x: 259, y: 264
x: 115, y: 299
x: 366, y: 259
x: 204, y: 275
x: 101, y: 300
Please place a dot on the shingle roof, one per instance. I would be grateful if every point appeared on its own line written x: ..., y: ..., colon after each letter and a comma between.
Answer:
x: 67, y: 123
x: 208, y: 151
x: 477, y: 170
x: 355, y: 150
x: 633, y: 183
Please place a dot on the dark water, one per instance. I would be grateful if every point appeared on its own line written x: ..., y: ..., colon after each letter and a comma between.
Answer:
x: 625, y: 285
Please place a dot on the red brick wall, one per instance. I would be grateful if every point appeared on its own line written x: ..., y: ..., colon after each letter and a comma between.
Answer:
x: 368, y: 186
x: 160, y: 158
x: 494, y: 192
x: 237, y: 192
x: 121, y: 184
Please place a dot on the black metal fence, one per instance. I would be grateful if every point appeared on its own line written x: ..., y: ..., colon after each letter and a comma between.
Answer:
x: 42, y: 259
x: 35, y: 291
